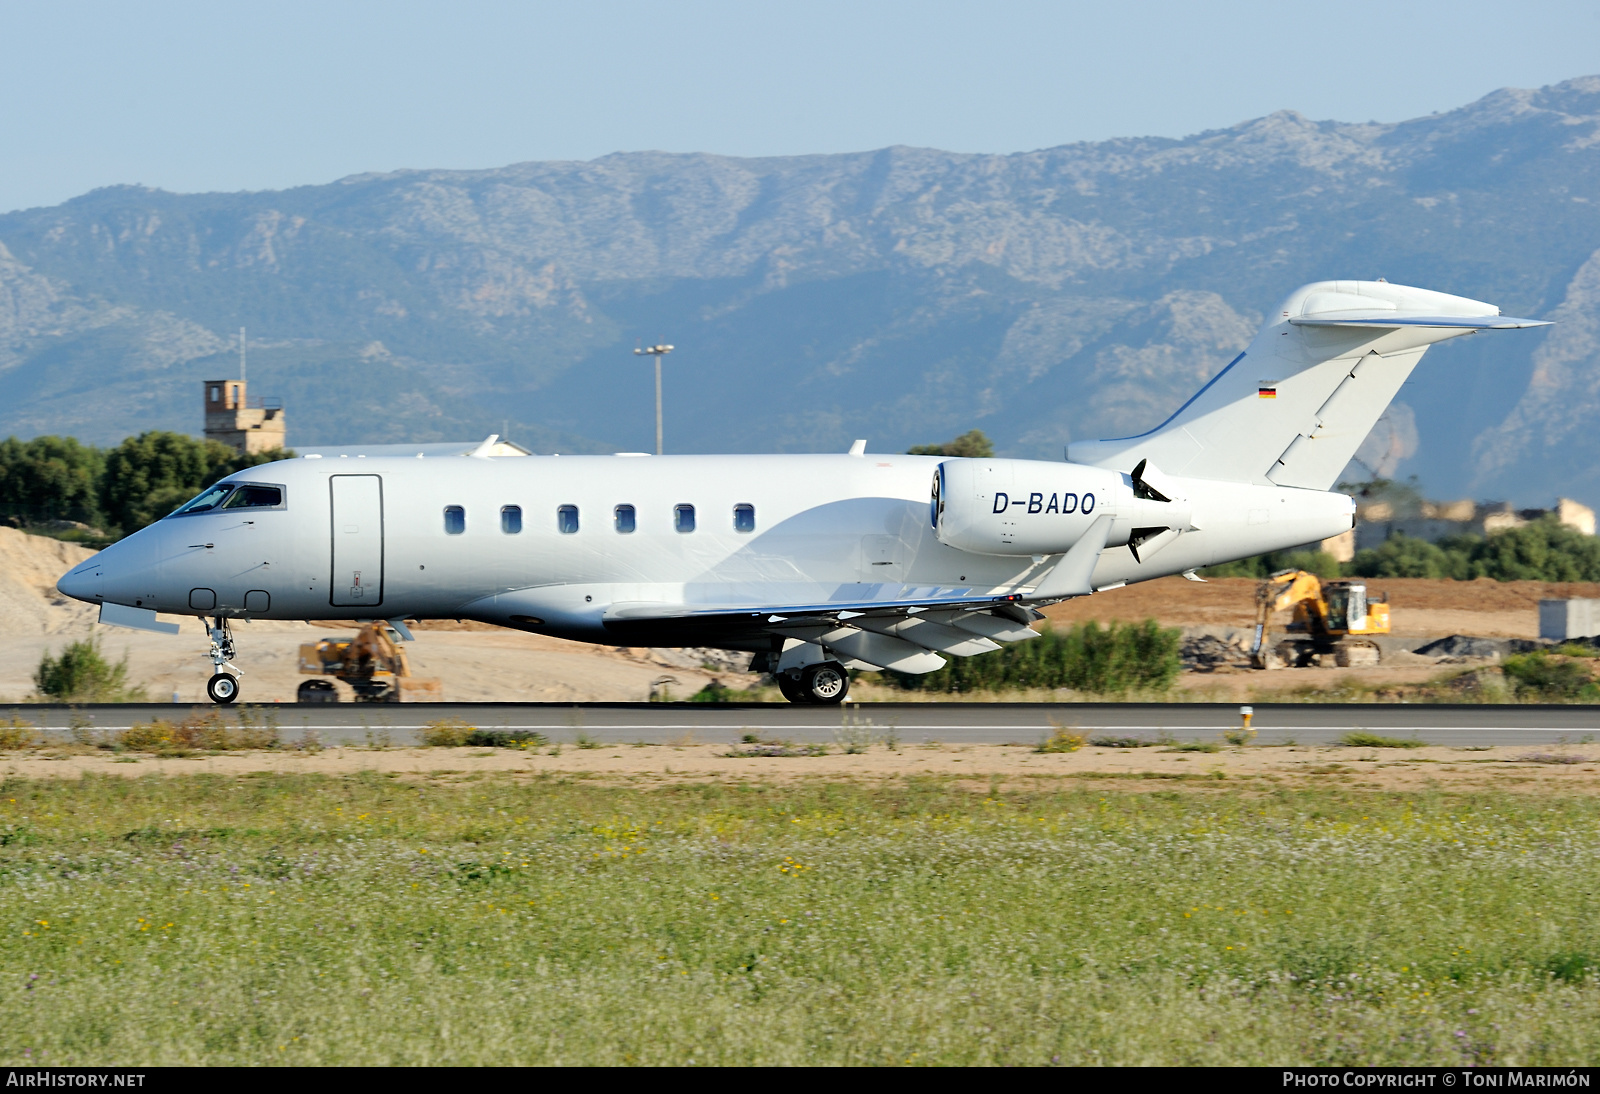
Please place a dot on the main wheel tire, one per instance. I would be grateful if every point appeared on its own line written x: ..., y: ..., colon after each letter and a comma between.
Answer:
x: 223, y: 688
x: 792, y: 689
x: 316, y: 691
x: 826, y: 684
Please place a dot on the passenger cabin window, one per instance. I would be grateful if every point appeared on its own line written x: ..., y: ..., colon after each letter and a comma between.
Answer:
x: 455, y: 520
x: 567, y: 519
x: 683, y: 518
x: 744, y: 518
x: 624, y: 519
x: 511, y: 519
x: 254, y: 497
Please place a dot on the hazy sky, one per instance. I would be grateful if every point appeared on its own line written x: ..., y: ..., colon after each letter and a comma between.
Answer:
x: 229, y: 96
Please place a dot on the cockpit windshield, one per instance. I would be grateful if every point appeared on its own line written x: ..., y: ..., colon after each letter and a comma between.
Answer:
x: 234, y: 495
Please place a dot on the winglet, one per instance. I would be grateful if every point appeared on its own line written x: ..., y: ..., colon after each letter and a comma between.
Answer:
x: 859, y: 448
x: 483, y: 451
x: 1071, y: 576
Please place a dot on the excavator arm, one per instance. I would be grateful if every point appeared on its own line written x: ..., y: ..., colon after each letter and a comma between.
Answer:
x: 1282, y: 590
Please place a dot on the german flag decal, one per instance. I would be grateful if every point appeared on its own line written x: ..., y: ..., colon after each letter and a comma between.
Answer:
x: 1267, y: 391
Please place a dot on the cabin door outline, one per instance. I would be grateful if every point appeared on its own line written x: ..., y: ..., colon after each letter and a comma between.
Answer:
x: 356, y: 506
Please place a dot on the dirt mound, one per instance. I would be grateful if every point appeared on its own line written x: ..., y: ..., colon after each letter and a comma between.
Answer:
x: 29, y: 568
x: 1209, y: 652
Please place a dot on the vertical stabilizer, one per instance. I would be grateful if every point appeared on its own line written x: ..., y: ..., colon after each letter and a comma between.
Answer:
x: 1292, y: 409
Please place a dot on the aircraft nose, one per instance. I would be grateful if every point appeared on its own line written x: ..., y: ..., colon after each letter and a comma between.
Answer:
x: 81, y: 583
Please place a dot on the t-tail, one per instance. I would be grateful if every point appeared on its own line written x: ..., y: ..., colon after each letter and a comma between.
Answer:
x: 1292, y: 409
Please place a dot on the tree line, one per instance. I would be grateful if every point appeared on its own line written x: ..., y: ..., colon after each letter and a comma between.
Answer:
x: 1542, y: 550
x: 115, y: 490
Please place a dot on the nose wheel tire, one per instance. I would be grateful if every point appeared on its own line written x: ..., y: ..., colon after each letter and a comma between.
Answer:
x: 826, y: 684
x: 223, y: 688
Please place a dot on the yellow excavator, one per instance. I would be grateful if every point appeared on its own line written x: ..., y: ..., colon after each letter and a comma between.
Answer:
x: 372, y: 663
x: 1330, y: 620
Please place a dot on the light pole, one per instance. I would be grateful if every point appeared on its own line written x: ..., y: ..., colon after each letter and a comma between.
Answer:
x: 657, y: 352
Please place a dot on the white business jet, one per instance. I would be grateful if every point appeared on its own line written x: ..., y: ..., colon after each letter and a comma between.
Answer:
x: 813, y: 564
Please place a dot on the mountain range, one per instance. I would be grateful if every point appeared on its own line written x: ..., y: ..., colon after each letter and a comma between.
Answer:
x: 903, y: 295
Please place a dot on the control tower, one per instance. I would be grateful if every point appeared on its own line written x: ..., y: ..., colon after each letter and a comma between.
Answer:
x: 243, y: 424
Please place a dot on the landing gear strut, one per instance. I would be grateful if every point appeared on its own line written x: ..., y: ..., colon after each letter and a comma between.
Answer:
x: 223, y: 687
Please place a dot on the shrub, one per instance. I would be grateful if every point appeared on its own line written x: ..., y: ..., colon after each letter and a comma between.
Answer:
x: 715, y: 692
x: 1113, y: 660
x: 1359, y: 739
x: 81, y: 674
x: 1120, y: 742
x: 447, y: 732
x: 1539, y: 676
x: 1062, y: 740
x: 200, y: 733
x: 16, y: 734
x: 505, y: 738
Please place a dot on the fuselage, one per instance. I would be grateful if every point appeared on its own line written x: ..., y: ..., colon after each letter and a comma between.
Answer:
x: 555, y: 543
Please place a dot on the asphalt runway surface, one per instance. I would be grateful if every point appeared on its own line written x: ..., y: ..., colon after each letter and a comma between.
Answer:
x: 912, y: 723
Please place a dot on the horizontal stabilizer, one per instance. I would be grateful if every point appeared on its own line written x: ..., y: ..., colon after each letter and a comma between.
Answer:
x: 1389, y: 320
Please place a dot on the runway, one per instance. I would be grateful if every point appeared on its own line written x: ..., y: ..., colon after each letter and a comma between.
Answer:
x: 912, y: 723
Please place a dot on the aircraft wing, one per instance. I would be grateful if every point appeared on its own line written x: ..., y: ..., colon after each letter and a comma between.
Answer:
x: 906, y: 633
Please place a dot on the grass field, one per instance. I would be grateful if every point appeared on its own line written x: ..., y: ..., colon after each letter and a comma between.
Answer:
x: 499, y: 920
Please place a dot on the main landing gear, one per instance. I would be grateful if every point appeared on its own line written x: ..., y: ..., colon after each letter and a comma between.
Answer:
x: 825, y: 685
x: 223, y: 687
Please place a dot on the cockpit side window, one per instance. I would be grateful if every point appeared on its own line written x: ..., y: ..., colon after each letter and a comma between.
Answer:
x: 251, y: 496
x: 210, y: 498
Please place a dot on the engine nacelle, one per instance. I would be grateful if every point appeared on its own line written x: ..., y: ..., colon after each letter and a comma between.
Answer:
x: 1031, y: 507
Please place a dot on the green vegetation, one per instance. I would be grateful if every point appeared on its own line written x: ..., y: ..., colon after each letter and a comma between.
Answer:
x: 1113, y: 660
x: 1062, y: 740
x: 369, y: 920
x: 17, y: 734
x: 974, y: 444
x: 1542, y: 550
x: 81, y: 674
x: 1546, y: 679
x: 1361, y: 739
x: 119, y: 490
x: 50, y: 478
x: 208, y: 732
x: 716, y: 691
x: 507, y: 738
x: 1320, y: 563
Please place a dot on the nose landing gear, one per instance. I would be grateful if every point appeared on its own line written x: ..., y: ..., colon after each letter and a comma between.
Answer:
x: 223, y: 687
